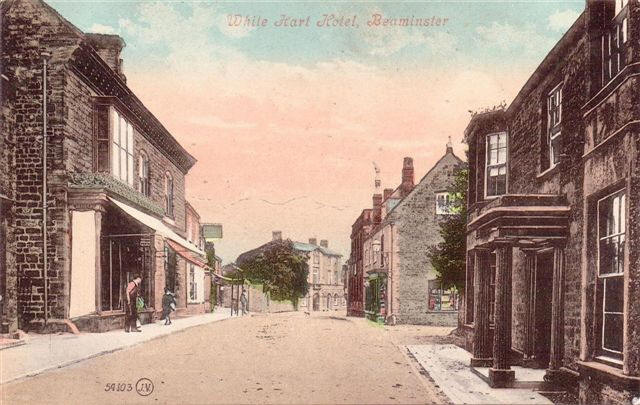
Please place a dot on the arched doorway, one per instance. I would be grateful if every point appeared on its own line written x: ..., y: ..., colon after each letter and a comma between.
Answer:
x: 329, y: 301
x: 316, y: 302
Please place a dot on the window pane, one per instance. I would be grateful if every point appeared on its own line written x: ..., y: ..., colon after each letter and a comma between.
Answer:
x: 123, y: 164
x: 624, y: 30
x: 502, y: 140
x: 115, y: 126
x: 115, y: 160
x: 130, y: 169
x: 609, y: 256
x: 613, y: 294
x: 623, y: 221
x: 494, y: 171
x: 493, y: 156
x: 612, y: 332
x: 493, y: 140
x: 502, y: 155
x: 129, y: 138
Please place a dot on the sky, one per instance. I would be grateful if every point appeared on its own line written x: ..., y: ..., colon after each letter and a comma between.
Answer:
x: 286, y: 122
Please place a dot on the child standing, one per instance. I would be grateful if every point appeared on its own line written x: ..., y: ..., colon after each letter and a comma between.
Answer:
x: 168, y: 305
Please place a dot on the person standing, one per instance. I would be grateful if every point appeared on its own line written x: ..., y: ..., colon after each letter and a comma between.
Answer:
x: 168, y: 305
x: 131, y: 317
x: 243, y: 301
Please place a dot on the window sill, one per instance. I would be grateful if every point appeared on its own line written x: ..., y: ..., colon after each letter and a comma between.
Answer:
x: 552, y: 170
x: 611, y: 375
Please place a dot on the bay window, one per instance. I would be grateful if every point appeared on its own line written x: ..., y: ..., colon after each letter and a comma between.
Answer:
x: 610, y: 298
x: 496, y: 166
x: 122, y: 148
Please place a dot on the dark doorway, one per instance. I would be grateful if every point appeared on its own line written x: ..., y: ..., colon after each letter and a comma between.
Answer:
x: 543, y: 298
x: 316, y: 302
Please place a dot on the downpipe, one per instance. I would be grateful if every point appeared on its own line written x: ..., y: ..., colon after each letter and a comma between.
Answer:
x: 45, y: 58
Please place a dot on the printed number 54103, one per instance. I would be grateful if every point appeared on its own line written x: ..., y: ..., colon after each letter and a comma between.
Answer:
x: 118, y: 387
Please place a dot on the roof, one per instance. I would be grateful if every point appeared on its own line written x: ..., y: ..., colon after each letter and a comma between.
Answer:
x: 307, y: 247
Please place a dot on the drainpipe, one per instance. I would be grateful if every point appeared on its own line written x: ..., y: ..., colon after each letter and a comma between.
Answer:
x: 45, y: 58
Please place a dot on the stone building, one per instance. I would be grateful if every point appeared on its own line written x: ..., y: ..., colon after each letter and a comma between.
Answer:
x: 553, y: 237
x: 402, y: 285
x: 326, y: 291
x: 115, y: 180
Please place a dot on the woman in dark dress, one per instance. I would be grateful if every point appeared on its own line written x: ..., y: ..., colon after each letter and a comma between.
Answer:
x: 168, y: 305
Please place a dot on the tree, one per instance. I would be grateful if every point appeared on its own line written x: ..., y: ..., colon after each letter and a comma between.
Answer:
x: 449, y: 256
x: 280, y: 269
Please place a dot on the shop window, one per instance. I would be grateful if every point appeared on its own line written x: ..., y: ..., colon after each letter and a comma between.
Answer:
x: 143, y: 174
x: 193, y: 285
x: 610, y: 300
x: 554, y: 118
x: 443, y: 204
x: 496, y: 167
x: 441, y: 299
x: 168, y: 194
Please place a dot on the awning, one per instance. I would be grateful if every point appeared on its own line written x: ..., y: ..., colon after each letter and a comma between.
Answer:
x: 157, y: 225
x: 187, y: 254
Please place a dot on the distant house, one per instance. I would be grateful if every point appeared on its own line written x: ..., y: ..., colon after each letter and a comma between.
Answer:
x: 402, y: 286
x: 326, y: 291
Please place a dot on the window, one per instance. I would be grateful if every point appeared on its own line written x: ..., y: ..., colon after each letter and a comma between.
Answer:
x: 611, y: 234
x: 554, y: 117
x: 329, y: 278
x: 121, y: 148
x: 315, y: 275
x: 168, y: 194
x: 143, y: 174
x: 193, y: 286
x: 496, y: 170
x: 443, y: 204
x: 335, y: 278
x: 316, y: 258
x: 614, y: 42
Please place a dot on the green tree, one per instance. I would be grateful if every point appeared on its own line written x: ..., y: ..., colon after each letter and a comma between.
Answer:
x: 280, y: 269
x: 449, y: 256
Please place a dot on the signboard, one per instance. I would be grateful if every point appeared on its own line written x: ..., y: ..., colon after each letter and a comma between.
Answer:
x: 211, y: 231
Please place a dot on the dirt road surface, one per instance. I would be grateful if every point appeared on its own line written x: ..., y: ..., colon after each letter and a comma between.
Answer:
x: 276, y: 358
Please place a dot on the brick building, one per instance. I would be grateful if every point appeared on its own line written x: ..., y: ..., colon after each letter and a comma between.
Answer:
x: 356, y: 276
x: 553, y: 234
x: 115, y: 180
x: 326, y: 290
x: 402, y: 286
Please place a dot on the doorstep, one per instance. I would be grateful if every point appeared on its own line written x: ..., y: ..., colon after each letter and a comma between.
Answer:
x: 6, y: 343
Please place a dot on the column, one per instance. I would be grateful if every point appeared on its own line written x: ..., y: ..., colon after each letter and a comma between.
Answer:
x: 501, y: 375
x: 481, y: 333
x: 530, y: 306
x: 557, y: 315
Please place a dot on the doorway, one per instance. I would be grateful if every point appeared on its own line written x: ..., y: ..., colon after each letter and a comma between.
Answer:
x: 543, y: 299
x: 316, y: 302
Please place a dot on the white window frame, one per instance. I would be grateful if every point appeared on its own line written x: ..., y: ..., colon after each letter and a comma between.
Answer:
x: 554, y: 131
x: 144, y: 186
x: 487, y: 166
x: 446, y: 209
x: 609, y: 276
x: 122, y: 147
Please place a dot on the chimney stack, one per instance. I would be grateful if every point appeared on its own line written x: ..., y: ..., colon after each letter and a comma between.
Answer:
x: 377, y: 208
x: 108, y: 47
x: 277, y: 235
x: 449, y: 146
x: 407, y: 172
x: 387, y: 193
x: 313, y: 241
x: 324, y: 243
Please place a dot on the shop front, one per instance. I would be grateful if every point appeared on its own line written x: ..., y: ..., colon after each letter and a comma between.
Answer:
x: 376, y: 296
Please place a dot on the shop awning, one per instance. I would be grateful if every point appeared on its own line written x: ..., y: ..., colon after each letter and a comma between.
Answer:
x: 188, y: 255
x: 157, y: 225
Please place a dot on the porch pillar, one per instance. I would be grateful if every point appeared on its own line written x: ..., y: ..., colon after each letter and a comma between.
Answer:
x: 501, y: 375
x: 530, y: 305
x: 98, y: 258
x: 481, y: 333
x: 557, y: 315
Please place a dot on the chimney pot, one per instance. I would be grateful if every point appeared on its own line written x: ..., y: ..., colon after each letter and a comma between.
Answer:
x: 313, y: 241
x: 324, y: 243
x: 277, y: 235
x: 387, y: 193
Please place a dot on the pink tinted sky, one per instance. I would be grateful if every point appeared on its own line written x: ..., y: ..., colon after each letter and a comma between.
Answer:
x: 285, y: 126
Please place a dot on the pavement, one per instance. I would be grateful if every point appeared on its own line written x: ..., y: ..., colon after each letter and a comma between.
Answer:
x: 46, y: 352
x: 448, y: 366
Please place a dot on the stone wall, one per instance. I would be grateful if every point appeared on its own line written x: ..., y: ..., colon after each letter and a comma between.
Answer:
x: 418, y: 229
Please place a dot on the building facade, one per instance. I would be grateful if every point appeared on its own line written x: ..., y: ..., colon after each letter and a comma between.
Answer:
x: 402, y: 286
x: 113, y: 180
x: 553, y: 237
x: 325, y: 279
x: 355, y: 275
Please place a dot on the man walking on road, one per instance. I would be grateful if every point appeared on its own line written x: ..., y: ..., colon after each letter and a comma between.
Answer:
x: 243, y: 301
x: 131, y: 315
